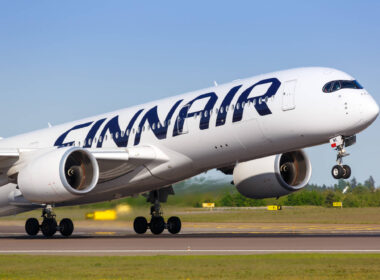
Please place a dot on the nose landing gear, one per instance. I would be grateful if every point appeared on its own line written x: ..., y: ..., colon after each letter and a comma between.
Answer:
x: 49, y: 225
x: 341, y: 171
x: 157, y: 223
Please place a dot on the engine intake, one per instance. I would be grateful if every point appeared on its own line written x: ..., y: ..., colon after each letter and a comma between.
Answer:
x: 273, y: 176
x: 59, y: 175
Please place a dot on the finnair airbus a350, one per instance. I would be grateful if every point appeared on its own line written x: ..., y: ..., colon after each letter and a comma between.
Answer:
x: 253, y: 128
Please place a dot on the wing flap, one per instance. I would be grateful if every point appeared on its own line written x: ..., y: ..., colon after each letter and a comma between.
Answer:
x: 114, y: 163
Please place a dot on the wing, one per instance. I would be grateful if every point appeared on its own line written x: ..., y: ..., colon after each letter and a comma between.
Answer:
x: 113, y: 162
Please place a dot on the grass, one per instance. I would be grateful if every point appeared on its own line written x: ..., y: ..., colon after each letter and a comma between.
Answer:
x: 299, y: 214
x: 273, y: 266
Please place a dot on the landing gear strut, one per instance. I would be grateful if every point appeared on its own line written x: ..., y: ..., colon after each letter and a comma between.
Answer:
x: 157, y: 223
x: 341, y: 171
x: 49, y: 224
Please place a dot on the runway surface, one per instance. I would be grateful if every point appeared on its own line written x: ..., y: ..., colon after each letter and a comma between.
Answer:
x: 200, y: 238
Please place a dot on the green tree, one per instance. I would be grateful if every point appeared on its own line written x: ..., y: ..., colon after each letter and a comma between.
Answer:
x: 353, y: 183
x: 330, y: 198
x: 370, y: 183
x: 351, y: 201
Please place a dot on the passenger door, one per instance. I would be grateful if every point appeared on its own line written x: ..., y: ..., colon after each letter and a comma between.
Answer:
x: 288, y: 95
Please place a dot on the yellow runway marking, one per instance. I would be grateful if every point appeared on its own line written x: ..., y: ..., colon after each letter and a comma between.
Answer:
x: 105, y: 233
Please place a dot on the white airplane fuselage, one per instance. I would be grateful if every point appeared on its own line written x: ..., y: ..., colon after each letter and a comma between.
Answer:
x: 210, y: 128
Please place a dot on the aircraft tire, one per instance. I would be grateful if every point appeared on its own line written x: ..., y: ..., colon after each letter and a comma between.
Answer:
x: 157, y: 225
x: 32, y: 227
x: 174, y: 225
x: 347, y: 171
x: 140, y: 225
x: 337, y: 172
x: 66, y: 227
x: 49, y: 227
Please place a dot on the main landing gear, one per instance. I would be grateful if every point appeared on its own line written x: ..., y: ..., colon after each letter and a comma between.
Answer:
x: 49, y: 224
x: 341, y: 171
x: 157, y: 223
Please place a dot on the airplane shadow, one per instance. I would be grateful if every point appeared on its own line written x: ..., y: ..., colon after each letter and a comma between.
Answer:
x: 195, y: 236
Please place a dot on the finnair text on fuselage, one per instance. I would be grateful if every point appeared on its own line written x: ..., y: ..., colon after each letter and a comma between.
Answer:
x: 160, y: 129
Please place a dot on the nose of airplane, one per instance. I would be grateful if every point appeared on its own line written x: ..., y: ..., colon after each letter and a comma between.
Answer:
x: 370, y: 111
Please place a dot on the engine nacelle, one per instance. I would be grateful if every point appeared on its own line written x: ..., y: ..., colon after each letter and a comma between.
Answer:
x: 59, y: 175
x: 273, y: 176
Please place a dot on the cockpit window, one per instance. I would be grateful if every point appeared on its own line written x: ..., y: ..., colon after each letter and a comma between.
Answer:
x: 337, y: 85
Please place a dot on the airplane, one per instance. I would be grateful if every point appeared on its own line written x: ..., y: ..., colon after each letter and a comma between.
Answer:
x: 254, y: 128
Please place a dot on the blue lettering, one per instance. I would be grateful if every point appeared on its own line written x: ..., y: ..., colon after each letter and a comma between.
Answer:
x: 59, y: 141
x: 260, y: 106
x: 113, y: 126
x: 205, y: 113
x: 160, y: 130
x: 91, y: 134
x: 222, y: 114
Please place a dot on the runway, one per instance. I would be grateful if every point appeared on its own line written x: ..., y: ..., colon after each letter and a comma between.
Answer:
x: 119, y: 239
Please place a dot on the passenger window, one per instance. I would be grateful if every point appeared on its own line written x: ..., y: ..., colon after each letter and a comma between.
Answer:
x: 100, y: 138
x: 127, y: 132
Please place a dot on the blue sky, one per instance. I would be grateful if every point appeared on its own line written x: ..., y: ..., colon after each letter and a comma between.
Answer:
x: 64, y: 60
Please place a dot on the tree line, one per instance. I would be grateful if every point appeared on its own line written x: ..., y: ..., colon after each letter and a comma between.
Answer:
x: 349, y: 192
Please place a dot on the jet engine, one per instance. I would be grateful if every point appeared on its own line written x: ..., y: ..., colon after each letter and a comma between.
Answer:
x: 273, y: 176
x: 58, y: 175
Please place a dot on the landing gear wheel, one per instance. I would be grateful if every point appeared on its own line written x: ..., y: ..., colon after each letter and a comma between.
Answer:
x: 337, y: 172
x: 32, y: 227
x: 49, y: 227
x: 174, y: 225
x: 140, y: 225
x: 66, y: 227
x: 157, y: 225
x: 347, y: 171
